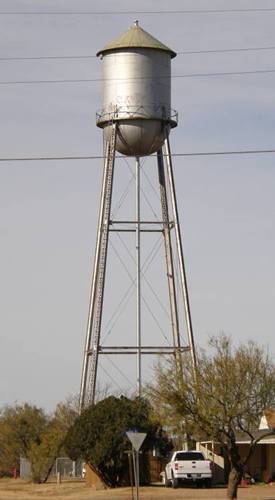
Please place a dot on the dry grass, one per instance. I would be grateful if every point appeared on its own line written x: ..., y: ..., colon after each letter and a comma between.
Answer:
x: 11, y: 489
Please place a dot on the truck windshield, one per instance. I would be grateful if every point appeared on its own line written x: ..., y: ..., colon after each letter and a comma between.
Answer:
x: 189, y: 455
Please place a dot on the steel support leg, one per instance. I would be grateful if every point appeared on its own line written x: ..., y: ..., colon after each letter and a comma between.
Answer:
x: 183, y: 279
x: 168, y: 251
x: 88, y: 379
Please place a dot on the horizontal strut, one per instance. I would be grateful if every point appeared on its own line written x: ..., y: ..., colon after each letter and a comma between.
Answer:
x: 133, y: 230
x: 135, y: 222
x: 142, y: 350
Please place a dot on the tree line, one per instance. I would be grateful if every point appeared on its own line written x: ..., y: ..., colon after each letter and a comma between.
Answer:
x: 28, y: 431
x: 231, y: 389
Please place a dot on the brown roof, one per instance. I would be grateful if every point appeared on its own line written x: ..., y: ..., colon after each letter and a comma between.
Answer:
x: 242, y: 437
x: 136, y: 37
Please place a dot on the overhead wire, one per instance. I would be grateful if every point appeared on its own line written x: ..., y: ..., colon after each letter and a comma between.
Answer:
x: 179, y: 53
x: 127, y: 12
x: 174, y: 155
x: 93, y: 80
x: 217, y: 51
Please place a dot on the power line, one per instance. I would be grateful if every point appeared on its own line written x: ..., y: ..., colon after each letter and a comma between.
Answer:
x: 216, y: 51
x: 37, y: 58
x: 180, y: 53
x: 187, y: 75
x: 102, y: 13
x: 175, y: 155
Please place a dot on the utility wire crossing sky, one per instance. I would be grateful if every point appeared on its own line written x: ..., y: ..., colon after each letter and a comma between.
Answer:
x: 97, y: 157
x: 52, y: 161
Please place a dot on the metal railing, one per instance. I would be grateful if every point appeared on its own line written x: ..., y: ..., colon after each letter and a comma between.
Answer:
x: 211, y: 455
x: 153, y: 112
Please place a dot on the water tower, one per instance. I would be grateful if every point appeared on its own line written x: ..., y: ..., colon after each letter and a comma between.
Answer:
x: 136, y: 118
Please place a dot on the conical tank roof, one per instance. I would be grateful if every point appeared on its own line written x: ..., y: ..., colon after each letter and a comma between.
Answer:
x: 136, y: 37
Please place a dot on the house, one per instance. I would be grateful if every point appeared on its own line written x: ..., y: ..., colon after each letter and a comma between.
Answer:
x: 261, y: 465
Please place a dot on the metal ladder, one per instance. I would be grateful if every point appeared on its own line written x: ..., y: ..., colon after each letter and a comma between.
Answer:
x: 100, y: 279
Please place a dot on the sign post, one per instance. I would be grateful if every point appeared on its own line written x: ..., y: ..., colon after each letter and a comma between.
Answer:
x: 136, y: 439
x: 130, y: 461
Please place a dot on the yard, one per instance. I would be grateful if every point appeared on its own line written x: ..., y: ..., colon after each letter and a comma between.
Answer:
x: 11, y: 489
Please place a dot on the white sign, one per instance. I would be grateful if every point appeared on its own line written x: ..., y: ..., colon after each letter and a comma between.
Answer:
x: 136, y: 438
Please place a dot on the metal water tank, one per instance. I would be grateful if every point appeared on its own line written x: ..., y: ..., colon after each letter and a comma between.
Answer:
x: 137, y: 91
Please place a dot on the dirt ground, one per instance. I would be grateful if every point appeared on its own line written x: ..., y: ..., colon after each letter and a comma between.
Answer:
x: 11, y: 489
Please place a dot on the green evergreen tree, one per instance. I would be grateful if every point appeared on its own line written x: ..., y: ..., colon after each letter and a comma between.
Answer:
x: 99, y: 436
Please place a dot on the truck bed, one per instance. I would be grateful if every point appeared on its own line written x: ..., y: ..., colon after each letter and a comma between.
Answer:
x: 188, y: 466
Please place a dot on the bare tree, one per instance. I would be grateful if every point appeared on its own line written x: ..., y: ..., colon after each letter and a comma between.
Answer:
x: 233, y: 387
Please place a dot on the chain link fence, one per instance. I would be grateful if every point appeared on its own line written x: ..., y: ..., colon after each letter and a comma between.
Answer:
x: 63, y: 466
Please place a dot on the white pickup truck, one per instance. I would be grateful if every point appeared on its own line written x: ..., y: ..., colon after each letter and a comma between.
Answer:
x: 188, y: 466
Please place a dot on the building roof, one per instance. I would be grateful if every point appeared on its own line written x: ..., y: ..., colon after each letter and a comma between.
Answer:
x: 136, y: 37
x: 242, y: 438
x: 263, y: 437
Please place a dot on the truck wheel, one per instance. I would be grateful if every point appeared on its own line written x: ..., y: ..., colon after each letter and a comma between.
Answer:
x: 167, y: 483
x: 175, y: 482
x: 208, y: 483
